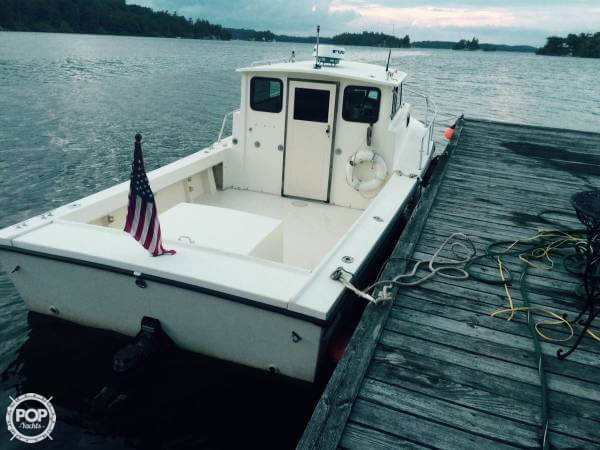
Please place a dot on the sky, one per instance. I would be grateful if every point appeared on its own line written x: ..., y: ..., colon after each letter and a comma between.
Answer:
x: 493, y: 21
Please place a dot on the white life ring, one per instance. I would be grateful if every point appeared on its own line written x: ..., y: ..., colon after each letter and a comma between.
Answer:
x: 379, y: 165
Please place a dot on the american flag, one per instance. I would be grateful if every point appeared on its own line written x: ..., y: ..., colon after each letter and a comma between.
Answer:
x: 142, y: 215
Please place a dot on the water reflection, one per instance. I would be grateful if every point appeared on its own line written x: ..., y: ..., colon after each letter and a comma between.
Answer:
x: 179, y: 401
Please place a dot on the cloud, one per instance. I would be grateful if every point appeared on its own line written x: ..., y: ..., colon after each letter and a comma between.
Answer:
x: 553, y: 15
x: 281, y: 16
x: 424, y: 17
x: 511, y: 21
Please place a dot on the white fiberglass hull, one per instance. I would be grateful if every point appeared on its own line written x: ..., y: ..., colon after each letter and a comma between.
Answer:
x: 201, y: 322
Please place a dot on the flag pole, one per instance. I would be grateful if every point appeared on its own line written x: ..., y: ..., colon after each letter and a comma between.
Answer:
x: 142, y: 212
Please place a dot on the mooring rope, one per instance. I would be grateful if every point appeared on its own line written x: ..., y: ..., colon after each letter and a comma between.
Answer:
x: 444, y: 270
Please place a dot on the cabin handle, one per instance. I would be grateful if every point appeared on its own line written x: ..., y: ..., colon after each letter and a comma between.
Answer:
x: 328, y: 129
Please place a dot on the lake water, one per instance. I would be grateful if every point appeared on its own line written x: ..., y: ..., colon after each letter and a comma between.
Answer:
x: 69, y: 108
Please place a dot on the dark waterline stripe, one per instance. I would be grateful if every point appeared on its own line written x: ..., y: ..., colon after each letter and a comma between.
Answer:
x: 178, y: 284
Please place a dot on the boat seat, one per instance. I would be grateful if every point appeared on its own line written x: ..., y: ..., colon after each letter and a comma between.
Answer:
x: 224, y: 229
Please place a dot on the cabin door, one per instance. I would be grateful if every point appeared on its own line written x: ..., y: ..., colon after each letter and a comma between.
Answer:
x: 309, y: 139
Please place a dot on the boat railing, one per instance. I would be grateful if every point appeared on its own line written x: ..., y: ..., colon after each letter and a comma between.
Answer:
x: 268, y: 62
x: 225, y: 117
x: 431, y: 112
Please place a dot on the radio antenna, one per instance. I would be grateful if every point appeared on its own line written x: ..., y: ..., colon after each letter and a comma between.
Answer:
x: 387, y: 66
x: 317, y: 66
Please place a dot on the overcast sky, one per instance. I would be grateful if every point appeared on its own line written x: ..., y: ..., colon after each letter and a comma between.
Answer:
x: 495, y: 21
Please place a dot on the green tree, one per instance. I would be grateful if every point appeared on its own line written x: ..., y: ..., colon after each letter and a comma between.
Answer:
x: 474, y: 44
x: 556, y: 46
x: 461, y: 45
x: 101, y: 16
x: 465, y: 44
x: 371, y: 39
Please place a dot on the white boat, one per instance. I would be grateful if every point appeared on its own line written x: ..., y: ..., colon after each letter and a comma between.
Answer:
x: 321, y: 161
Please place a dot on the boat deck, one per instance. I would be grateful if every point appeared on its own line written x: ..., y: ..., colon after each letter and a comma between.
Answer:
x: 310, y: 229
x: 433, y: 369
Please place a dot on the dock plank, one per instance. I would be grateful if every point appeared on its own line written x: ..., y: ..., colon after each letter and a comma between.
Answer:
x: 359, y: 437
x: 441, y: 372
x: 420, y: 431
x: 478, y: 390
x: 478, y: 314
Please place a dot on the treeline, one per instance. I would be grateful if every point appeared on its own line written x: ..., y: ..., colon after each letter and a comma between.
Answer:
x: 371, y: 39
x: 486, y: 47
x: 244, y: 34
x: 365, y: 38
x: 584, y: 45
x: 434, y: 44
x: 303, y: 39
x: 102, y: 17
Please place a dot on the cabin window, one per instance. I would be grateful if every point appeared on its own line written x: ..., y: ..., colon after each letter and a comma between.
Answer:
x: 361, y: 104
x: 311, y: 105
x: 266, y: 94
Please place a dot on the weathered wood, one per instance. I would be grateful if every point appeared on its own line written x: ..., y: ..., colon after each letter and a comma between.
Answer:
x: 504, y: 213
x: 482, y: 140
x: 485, y: 421
x: 449, y: 413
x: 440, y: 371
x: 500, y: 185
x: 358, y: 437
x: 509, y: 200
x: 415, y: 429
x: 446, y: 380
x: 526, y: 168
x: 501, y: 345
x: 487, y: 362
x: 562, y: 302
x: 508, y: 208
x: 476, y: 313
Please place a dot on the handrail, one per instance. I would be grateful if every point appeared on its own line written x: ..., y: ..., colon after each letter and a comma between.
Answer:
x: 268, y: 62
x: 431, y: 107
x: 230, y: 113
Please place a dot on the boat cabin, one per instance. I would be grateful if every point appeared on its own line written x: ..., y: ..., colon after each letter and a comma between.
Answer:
x: 298, y: 126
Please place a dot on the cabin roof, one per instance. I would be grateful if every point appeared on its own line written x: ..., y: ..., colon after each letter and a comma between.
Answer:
x: 349, y: 70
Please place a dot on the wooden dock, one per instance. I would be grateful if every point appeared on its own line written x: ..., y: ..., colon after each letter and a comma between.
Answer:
x: 432, y: 368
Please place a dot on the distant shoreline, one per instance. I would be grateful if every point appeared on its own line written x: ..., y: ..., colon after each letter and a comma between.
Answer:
x: 434, y: 45
x: 118, y: 18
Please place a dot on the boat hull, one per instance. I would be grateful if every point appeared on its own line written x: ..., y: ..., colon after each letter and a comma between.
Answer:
x: 197, y: 321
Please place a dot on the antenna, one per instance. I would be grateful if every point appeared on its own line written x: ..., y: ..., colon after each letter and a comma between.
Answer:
x: 317, y: 66
x: 387, y: 66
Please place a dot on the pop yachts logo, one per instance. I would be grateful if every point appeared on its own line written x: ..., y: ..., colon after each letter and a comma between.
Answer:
x: 30, y: 418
